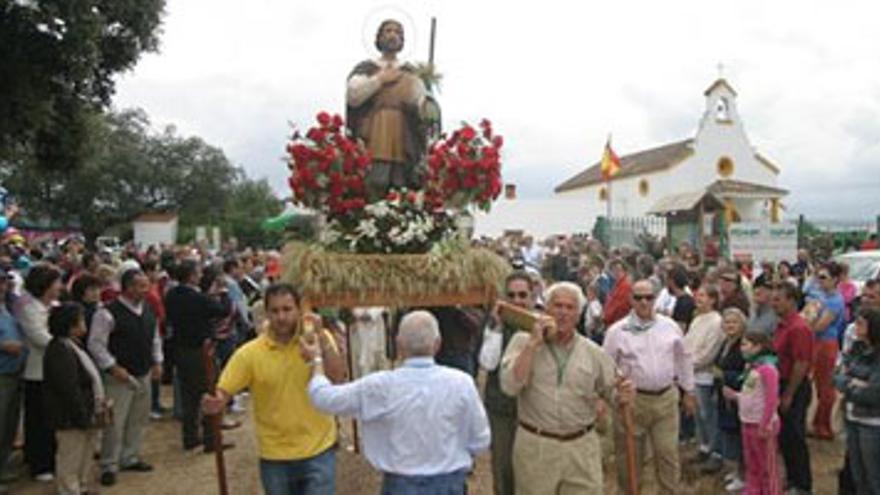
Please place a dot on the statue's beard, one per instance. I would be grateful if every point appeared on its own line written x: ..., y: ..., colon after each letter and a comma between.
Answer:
x: 391, y: 46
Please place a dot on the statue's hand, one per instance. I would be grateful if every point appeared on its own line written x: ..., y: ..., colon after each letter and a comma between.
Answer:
x: 390, y: 75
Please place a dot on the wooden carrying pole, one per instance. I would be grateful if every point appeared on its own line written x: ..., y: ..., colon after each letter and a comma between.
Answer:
x: 632, y: 481
x: 216, y: 419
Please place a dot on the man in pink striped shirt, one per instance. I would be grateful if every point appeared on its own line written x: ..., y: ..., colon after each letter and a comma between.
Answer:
x: 649, y: 348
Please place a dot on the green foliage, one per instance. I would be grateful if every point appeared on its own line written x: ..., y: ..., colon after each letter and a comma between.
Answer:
x: 128, y: 170
x: 59, y: 58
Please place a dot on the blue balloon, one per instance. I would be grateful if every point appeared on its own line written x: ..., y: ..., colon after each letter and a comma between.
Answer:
x: 4, y: 223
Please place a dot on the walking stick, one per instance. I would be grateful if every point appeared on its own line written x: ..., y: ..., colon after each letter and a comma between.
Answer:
x: 215, y: 419
x: 631, y: 475
x: 626, y: 415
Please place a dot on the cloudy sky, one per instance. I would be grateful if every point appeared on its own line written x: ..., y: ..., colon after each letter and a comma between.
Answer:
x: 554, y: 76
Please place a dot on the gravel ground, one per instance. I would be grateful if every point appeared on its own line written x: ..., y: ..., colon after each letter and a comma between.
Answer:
x: 179, y: 473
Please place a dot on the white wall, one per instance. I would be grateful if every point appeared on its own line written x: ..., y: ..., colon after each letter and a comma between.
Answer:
x: 147, y: 234
x: 538, y: 217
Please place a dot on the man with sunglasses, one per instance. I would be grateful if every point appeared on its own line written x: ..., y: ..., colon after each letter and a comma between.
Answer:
x: 500, y: 407
x: 558, y: 376
x: 649, y: 348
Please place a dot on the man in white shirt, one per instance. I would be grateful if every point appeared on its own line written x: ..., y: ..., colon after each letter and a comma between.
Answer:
x: 422, y: 423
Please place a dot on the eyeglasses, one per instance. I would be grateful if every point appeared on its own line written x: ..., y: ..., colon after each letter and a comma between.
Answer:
x: 643, y: 297
x: 518, y: 295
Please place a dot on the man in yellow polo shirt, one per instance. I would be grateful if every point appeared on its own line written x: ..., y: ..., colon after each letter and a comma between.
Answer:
x: 296, y: 441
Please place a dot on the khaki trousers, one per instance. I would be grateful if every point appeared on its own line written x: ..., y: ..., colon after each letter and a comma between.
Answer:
x: 121, y: 444
x: 655, y: 419
x: 544, y: 466
x: 74, y: 461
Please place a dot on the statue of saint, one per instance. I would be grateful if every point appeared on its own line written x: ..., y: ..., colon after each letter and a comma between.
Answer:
x: 386, y: 101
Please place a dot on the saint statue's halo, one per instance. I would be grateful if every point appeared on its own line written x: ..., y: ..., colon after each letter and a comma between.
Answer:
x: 371, y: 25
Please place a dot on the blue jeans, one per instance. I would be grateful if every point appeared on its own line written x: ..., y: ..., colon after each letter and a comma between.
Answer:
x: 863, y: 447
x: 440, y: 484
x: 312, y: 476
x: 707, y: 418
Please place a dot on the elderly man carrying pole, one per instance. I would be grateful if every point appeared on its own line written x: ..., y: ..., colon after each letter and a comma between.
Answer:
x: 558, y: 376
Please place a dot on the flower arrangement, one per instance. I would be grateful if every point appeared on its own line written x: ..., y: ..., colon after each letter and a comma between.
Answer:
x: 465, y: 168
x: 328, y: 173
x: 328, y: 168
x: 400, y: 223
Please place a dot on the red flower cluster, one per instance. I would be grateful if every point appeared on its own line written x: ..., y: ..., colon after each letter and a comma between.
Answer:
x: 465, y: 168
x: 328, y: 168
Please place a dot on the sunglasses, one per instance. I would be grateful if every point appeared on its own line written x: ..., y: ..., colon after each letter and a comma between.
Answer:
x: 643, y: 297
x: 518, y: 295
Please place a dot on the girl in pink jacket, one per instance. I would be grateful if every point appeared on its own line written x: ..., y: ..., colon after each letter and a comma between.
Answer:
x: 757, y: 403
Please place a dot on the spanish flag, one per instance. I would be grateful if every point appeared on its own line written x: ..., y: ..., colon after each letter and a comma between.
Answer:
x: 610, y: 162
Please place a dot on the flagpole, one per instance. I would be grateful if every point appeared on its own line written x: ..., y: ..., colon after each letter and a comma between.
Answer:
x: 608, y: 186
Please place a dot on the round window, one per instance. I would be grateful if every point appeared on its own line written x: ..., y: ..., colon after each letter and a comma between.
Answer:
x: 725, y: 167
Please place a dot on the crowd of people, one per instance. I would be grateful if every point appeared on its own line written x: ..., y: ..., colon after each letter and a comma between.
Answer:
x: 88, y: 338
x: 727, y: 357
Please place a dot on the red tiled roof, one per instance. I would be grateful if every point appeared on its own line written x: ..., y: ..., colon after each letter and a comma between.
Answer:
x: 642, y: 162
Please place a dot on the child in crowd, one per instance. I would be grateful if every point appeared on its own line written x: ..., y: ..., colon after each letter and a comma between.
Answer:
x: 757, y: 403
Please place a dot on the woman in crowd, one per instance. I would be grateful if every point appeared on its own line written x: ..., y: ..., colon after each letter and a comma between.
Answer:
x: 704, y: 339
x: 827, y: 328
x: 42, y: 288
x: 73, y: 393
x: 859, y: 382
x: 729, y: 368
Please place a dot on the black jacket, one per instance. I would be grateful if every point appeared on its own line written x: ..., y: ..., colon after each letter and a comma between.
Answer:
x: 191, y: 315
x: 863, y: 363
x: 69, y: 397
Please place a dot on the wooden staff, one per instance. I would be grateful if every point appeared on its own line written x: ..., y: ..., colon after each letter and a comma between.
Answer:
x: 626, y: 415
x: 216, y: 419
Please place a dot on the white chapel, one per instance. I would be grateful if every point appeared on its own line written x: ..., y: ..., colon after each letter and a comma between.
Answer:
x: 718, y: 161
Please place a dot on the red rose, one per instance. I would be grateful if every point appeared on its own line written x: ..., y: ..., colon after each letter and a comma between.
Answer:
x: 468, y: 133
x: 497, y: 142
x: 411, y: 197
x: 463, y: 149
x: 358, y: 203
x: 485, y: 123
x: 348, y: 165
x: 337, y: 121
x: 363, y: 160
x: 324, y: 119
x: 316, y: 135
x: 392, y: 196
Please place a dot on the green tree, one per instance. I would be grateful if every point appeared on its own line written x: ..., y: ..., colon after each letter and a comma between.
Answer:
x: 249, y: 203
x: 59, y: 58
x: 128, y: 170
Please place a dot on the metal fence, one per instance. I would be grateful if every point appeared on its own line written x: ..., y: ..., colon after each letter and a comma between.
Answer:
x: 629, y: 231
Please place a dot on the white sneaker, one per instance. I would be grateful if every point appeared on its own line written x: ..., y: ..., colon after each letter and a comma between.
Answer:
x: 45, y: 477
x: 734, y: 485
